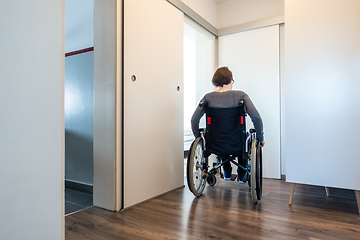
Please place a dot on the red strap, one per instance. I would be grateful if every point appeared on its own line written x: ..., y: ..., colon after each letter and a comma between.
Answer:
x: 209, y: 120
x: 241, y: 120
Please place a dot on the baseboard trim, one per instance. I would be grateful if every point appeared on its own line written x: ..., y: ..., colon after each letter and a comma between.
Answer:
x: 147, y: 200
x: 79, y: 186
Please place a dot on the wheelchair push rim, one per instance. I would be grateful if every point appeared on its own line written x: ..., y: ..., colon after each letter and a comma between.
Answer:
x: 256, y: 172
x: 196, y: 167
x: 252, y: 172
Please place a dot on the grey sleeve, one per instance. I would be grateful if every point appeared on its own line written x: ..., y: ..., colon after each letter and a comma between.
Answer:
x: 195, y: 119
x: 255, y: 118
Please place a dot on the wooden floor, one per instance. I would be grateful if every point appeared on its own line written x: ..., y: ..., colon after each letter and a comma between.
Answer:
x: 226, y: 212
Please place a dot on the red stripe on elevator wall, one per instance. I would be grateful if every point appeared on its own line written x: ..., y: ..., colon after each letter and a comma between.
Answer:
x: 79, y: 51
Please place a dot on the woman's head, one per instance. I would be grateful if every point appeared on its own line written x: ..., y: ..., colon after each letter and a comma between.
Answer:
x: 222, y: 76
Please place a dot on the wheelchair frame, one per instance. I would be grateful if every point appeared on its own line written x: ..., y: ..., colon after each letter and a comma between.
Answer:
x: 198, y: 173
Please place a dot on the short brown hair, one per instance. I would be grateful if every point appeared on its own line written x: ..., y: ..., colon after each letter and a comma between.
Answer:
x: 222, y: 76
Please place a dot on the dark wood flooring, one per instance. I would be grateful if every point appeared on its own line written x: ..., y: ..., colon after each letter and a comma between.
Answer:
x: 225, y: 211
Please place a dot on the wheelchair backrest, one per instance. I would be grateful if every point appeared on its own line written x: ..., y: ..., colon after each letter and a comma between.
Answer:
x: 225, y: 131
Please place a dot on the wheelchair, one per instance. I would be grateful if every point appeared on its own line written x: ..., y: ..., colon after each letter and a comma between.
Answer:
x: 226, y: 137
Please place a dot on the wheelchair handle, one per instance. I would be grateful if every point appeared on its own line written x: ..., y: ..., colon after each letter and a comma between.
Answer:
x: 251, y: 137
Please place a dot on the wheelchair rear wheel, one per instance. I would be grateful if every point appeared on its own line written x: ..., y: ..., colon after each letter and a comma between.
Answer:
x: 196, y: 164
x: 256, y: 172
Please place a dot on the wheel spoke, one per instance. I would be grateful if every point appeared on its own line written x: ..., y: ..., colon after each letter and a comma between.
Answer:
x: 195, y: 168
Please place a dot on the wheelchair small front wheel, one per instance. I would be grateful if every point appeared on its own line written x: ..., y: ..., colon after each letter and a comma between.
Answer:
x: 211, y: 179
x: 195, y: 171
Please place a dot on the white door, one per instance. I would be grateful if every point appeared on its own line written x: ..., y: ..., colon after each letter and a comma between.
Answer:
x: 253, y: 57
x: 153, y: 102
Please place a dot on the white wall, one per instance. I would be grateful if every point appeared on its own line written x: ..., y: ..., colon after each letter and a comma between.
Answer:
x: 32, y: 119
x: 79, y: 24
x: 322, y: 58
x: 235, y: 12
x: 205, y: 8
x: 79, y: 91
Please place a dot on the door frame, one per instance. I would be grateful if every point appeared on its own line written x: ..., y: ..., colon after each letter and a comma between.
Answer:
x: 107, y: 189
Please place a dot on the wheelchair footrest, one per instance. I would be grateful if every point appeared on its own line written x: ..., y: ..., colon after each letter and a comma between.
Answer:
x: 233, y: 177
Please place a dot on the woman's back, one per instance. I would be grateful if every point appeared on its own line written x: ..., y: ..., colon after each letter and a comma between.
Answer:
x: 227, y: 99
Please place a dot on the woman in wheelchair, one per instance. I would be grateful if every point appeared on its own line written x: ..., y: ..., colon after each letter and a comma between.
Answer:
x: 225, y: 141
